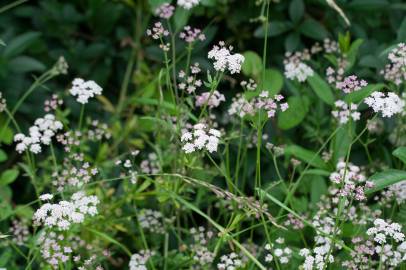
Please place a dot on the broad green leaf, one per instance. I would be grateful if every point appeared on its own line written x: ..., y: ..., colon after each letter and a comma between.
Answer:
x: 341, y: 143
x: 400, y: 153
x: 321, y: 88
x: 275, y: 28
x: 307, y: 156
x: 273, y: 81
x: 6, y: 135
x: 181, y: 17
x: 252, y: 65
x: 156, y: 3
x: 317, y: 172
x: 3, y: 155
x: 19, y: 44
x: 8, y: 176
x: 313, y: 29
x: 22, y: 64
x: 385, y: 179
x: 294, y: 115
x: 364, y: 92
x: 296, y: 10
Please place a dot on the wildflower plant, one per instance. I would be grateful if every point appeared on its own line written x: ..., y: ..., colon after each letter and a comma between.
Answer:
x: 197, y: 153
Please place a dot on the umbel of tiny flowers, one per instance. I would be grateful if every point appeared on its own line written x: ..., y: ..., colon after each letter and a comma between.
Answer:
x: 396, y: 70
x: 60, y: 67
x: 190, y: 34
x: 211, y: 99
x: 41, y: 133
x: 351, y: 84
x: 344, y: 112
x: 200, y: 138
x: 165, y: 11
x: 224, y: 59
x: 83, y: 90
x: 241, y: 106
x: 188, y: 4
x: 387, y: 104
x: 65, y: 213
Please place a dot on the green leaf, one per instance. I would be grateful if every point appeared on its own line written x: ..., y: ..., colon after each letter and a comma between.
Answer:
x: 294, y: 115
x: 273, y: 81
x: 321, y: 88
x: 307, y: 156
x: 340, y: 143
x: 108, y: 238
x: 318, y: 188
x: 19, y: 44
x: 181, y: 17
x: 400, y: 153
x: 275, y: 28
x: 252, y: 65
x: 353, y: 52
x: 292, y: 42
x: 385, y: 179
x: 368, y: 4
x: 3, y: 155
x: 364, y: 92
x: 296, y: 10
x: 401, y: 34
x: 313, y: 29
x: 8, y: 176
x: 2, y: 42
x: 22, y: 64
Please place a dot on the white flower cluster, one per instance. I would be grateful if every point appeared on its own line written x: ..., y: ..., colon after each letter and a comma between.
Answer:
x: 387, y: 104
x: 212, y: 100
x: 188, y: 4
x: 200, y: 138
x: 241, y: 106
x: 41, y: 133
x: 73, y: 176
x: 65, y: 213
x: 354, y: 181
x: 224, y: 60
x: 3, y: 104
x: 229, y: 262
x: 316, y: 259
x: 344, y: 112
x: 84, y: 90
x: 139, y: 260
x: 298, y: 71
x: 385, y: 234
x: 396, y: 70
x: 282, y: 254
x: 151, y: 220
x: 20, y: 232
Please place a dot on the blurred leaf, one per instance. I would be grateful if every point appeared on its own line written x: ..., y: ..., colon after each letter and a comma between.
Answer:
x: 6, y: 135
x: 401, y: 34
x: 273, y: 81
x: 368, y: 4
x: 3, y: 155
x: 295, y: 114
x: 364, y: 92
x: 353, y: 52
x: 306, y: 155
x: 19, y: 44
x: 341, y: 143
x: 344, y: 42
x: 313, y: 29
x: 400, y: 153
x: 252, y: 65
x: 292, y: 42
x: 321, y: 88
x: 318, y: 187
x: 156, y: 3
x: 22, y: 64
x: 181, y: 17
x: 2, y: 43
x: 296, y: 10
x: 8, y: 176
x: 275, y: 28
x: 385, y: 179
